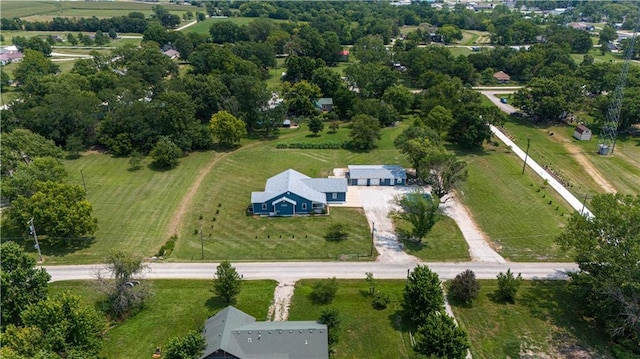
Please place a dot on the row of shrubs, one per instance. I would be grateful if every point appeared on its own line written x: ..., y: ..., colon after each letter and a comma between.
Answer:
x: 167, y: 248
x: 314, y: 146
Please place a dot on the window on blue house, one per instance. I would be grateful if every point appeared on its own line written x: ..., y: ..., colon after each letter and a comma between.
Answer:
x: 304, y: 206
x: 264, y: 206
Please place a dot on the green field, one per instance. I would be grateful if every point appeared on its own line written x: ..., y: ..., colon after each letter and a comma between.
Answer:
x: 176, y: 307
x: 202, y: 27
x: 45, y: 10
x: 225, y: 194
x: 133, y: 207
x: 542, y: 324
x: 512, y: 209
x: 622, y: 170
x: 365, y: 332
x: 443, y: 243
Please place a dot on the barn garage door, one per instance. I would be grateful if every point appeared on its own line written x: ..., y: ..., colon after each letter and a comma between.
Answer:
x: 375, y: 181
x: 362, y: 181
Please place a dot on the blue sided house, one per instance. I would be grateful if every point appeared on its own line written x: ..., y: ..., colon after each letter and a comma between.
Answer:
x: 292, y: 193
x: 376, y: 175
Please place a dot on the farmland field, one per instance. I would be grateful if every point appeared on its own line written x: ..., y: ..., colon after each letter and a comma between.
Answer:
x: 45, y: 10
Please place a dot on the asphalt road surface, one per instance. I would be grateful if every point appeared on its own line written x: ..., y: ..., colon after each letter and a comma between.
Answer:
x: 293, y: 271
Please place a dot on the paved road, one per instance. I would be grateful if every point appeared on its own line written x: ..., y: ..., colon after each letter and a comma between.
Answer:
x: 293, y: 271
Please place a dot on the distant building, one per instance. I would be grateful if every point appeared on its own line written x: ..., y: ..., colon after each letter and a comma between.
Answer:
x: 324, y: 104
x: 582, y: 26
x: 344, y: 56
x: 172, y: 54
x: 10, y: 54
x: 376, y: 175
x: 502, y: 77
x: 582, y: 133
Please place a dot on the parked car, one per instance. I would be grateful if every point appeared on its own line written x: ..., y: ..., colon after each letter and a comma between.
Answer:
x: 503, y: 100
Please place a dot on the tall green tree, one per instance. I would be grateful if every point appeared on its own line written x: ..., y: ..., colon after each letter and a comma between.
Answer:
x: 422, y: 295
x: 59, y: 211
x: 445, y: 170
x: 399, y: 97
x: 227, y: 282
x: 227, y: 128
x: 440, y: 119
x: 607, y: 247
x: 449, y: 33
x: 34, y: 65
x: 26, y: 175
x: 68, y: 325
x: 607, y: 34
x: 440, y: 337
x: 508, y: 285
x: 420, y: 209
x: 315, y: 125
x: 22, y: 284
x: 300, y: 97
x: 365, y: 131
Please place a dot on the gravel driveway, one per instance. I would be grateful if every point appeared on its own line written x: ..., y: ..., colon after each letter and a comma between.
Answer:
x: 376, y: 202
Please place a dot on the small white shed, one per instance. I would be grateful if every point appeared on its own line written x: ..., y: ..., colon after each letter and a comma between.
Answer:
x: 582, y: 133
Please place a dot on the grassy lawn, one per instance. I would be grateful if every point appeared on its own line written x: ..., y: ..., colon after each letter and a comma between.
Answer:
x: 176, y: 307
x: 45, y: 10
x: 622, y: 169
x: 512, y: 209
x: 443, y: 243
x: 8, y: 96
x: 132, y: 207
x: 366, y: 332
x: 457, y: 51
x: 542, y: 324
x: 225, y: 194
x: 202, y: 27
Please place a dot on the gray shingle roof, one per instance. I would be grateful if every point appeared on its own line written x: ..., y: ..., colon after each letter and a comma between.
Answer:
x: 301, y: 340
x: 300, y: 184
x: 376, y: 171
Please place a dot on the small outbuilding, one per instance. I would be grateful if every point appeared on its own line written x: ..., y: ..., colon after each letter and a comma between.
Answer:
x: 582, y: 133
x: 376, y: 175
x: 324, y: 104
x: 502, y: 77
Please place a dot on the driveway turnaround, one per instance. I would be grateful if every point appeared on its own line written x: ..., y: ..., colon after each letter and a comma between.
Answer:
x: 293, y: 271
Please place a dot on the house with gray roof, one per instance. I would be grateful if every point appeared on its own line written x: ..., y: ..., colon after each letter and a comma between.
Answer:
x: 291, y: 193
x: 233, y: 334
x: 376, y: 175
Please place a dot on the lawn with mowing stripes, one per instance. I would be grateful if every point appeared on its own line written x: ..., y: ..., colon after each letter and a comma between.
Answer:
x: 443, y: 242
x: 202, y: 27
x: 176, y: 307
x: 365, y: 332
x: 219, y: 207
x: 543, y: 323
x: 518, y: 215
x: 45, y: 10
x: 132, y: 207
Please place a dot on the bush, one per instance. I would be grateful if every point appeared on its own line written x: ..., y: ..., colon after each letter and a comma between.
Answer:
x: 464, y: 288
x: 507, y: 287
x: 314, y: 145
x: 337, y: 232
x: 380, y: 301
x: 331, y: 317
x: 324, y: 291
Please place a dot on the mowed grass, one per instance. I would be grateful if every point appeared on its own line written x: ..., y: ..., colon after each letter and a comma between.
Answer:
x: 622, y: 169
x: 226, y: 192
x: 176, y: 307
x: 542, y: 324
x: 512, y: 209
x: 365, y: 332
x: 43, y: 10
x: 133, y: 208
x: 202, y: 27
x: 443, y: 243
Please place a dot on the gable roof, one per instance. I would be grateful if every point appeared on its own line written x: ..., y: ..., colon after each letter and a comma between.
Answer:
x: 302, y: 339
x: 582, y: 128
x: 502, y: 76
x: 377, y: 171
x: 324, y: 101
x: 313, y: 189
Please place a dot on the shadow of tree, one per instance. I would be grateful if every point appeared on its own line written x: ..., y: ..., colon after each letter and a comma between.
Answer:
x: 57, y: 250
x: 216, y: 303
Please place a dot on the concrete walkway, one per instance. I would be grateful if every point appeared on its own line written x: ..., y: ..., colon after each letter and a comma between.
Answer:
x: 562, y: 191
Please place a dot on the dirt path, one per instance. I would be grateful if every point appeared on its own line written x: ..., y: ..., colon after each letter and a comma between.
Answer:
x: 581, y: 158
x: 279, y: 309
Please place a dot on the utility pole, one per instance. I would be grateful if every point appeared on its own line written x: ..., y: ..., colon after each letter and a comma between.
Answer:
x: 84, y: 184
x: 584, y: 203
x: 524, y: 165
x: 32, y: 230
x: 201, y: 243
x: 373, y: 232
